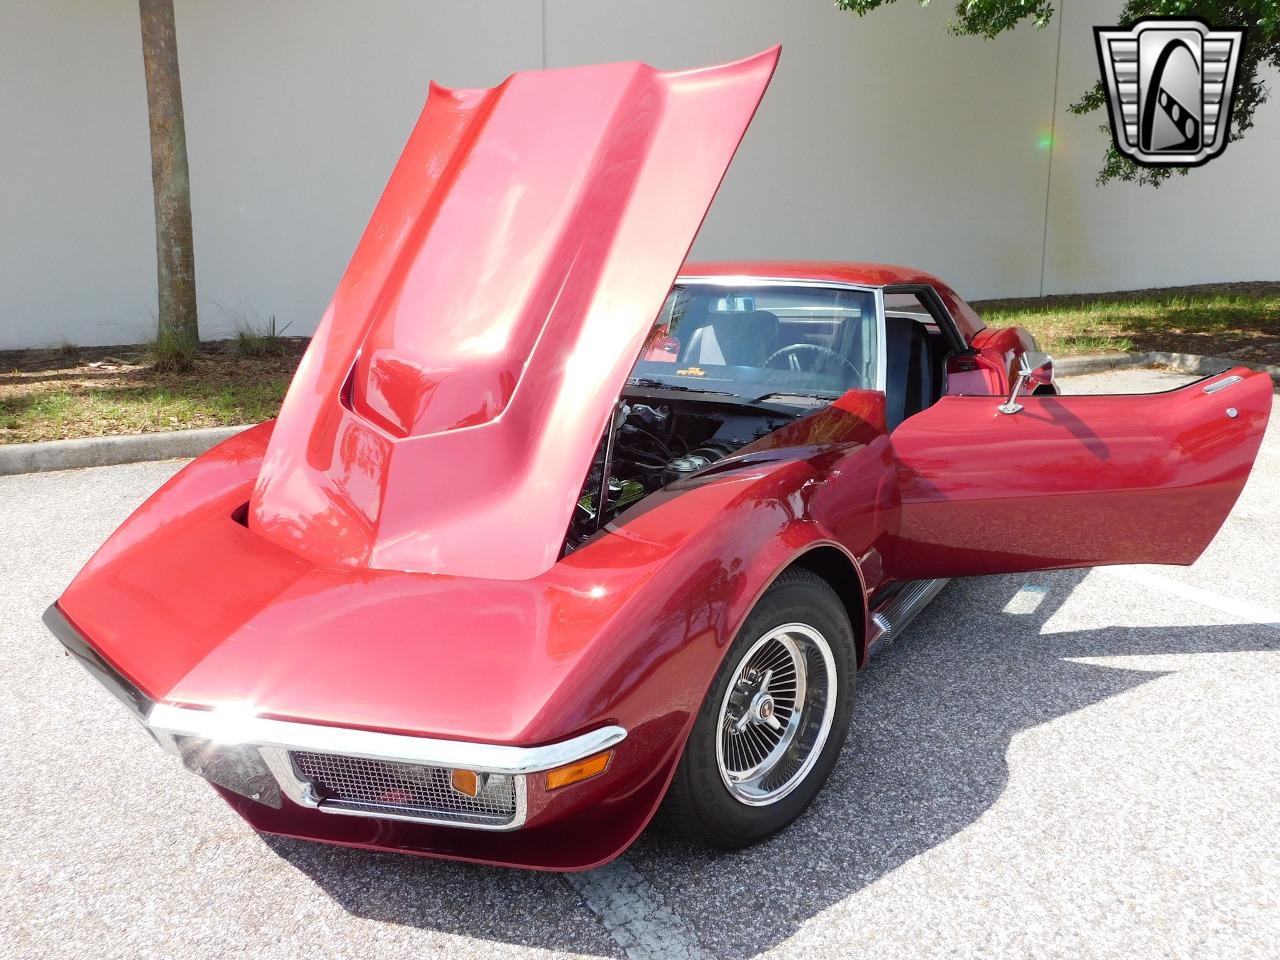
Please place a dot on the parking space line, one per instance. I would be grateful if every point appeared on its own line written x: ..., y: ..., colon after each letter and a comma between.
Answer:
x: 1244, y: 609
x: 1027, y: 600
x: 635, y: 914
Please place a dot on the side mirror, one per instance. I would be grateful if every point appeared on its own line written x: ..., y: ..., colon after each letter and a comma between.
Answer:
x: 1034, y: 368
x: 1037, y: 368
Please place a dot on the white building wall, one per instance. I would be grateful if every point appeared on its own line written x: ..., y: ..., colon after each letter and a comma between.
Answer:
x: 881, y: 138
x: 77, y: 231
x: 296, y: 112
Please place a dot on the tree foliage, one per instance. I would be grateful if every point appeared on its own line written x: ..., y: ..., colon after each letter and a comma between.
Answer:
x: 1260, y: 18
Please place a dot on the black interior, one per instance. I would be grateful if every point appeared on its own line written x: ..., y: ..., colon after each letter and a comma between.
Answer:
x: 911, y: 380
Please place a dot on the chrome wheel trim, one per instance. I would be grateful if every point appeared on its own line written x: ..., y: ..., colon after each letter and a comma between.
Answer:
x: 776, y: 715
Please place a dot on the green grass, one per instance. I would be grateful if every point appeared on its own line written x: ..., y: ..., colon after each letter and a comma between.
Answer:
x: 65, y: 395
x: 94, y: 411
x: 261, y: 340
x: 1238, y: 325
x: 170, y: 353
x: 56, y: 394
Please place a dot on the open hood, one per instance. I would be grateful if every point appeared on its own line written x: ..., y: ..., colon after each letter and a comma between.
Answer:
x: 447, y: 411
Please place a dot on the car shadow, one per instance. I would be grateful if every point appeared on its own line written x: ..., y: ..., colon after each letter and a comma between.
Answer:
x: 934, y: 717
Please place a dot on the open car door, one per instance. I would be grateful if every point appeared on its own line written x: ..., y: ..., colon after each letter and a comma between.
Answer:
x: 1073, y: 481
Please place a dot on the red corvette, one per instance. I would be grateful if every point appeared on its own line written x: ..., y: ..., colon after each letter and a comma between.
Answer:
x: 518, y: 562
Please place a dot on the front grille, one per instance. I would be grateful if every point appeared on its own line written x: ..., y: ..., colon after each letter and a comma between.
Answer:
x: 404, y: 790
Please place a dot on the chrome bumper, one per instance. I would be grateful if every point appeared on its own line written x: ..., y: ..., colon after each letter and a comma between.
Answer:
x: 139, y: 703
x: 254, y: 756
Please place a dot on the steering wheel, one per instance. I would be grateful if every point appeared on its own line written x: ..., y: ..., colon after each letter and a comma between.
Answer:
x: 814, y: 347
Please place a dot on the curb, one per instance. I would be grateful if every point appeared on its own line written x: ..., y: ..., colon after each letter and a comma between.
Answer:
x: 1184, y: 362
x: 136, y: 448
x: 107, y: 451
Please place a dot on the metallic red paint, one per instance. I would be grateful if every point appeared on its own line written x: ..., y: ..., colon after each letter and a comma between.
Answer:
x: 198, y: 610
x: 998, y: 353
x: 1080, y: 481
x: 508, y: 277
x: 292, y: 614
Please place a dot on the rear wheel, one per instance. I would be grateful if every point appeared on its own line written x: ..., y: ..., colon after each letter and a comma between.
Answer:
x: 773, y: 722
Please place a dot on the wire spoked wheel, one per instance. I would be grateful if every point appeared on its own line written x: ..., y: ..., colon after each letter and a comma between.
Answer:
x: 770, y: 728
x: 776, y: 714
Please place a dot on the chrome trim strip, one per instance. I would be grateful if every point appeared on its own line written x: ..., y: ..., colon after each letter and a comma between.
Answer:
x: 293, y: 786
x: 231, y: 726
x: 1222, y: 384
x: 904, y: 607
x: 744, y: 279
x: 882, y: 345
x: 139, y: 703
x: 300, y: 791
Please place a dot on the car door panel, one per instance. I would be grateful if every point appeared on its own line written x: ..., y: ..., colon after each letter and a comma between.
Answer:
x: 1073, y: 481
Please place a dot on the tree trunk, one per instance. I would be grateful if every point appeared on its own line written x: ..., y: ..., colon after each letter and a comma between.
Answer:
x: 175, y: 254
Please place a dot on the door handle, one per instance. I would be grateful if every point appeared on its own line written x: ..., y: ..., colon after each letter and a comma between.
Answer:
x: 1222, y: 384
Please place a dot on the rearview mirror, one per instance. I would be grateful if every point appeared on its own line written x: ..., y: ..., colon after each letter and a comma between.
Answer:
x: 1034, y: 368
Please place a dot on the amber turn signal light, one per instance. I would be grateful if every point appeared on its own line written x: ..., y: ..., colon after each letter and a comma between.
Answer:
x: 578, y: 770
x: 466, y: 782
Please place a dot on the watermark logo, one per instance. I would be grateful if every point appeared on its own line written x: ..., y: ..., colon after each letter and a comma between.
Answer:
x: 1170, y: 83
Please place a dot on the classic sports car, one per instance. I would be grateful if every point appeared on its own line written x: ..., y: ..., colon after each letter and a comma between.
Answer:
x: 550, y: 532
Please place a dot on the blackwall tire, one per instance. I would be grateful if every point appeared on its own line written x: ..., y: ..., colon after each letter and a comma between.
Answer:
x: 773, y: 721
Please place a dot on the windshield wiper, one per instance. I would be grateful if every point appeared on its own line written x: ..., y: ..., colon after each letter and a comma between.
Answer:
x: 794, y: 393
x: 729, y: 397
x: 659, y: 385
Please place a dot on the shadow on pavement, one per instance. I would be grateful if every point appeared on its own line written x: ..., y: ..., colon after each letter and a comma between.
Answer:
x: 516, y: 907
x: 934, y: 718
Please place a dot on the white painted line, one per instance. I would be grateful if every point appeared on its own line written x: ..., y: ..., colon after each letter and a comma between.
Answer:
x: 1242, y: 609
x: 635, y: 914
x: 1026, y: 600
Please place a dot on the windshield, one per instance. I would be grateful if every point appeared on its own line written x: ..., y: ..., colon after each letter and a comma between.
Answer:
x: 785, y: 344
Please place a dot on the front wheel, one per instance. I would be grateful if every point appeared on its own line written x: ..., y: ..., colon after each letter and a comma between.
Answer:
x: 774, y: 720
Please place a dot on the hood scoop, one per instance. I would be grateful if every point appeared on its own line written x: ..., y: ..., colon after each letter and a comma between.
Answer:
x: 451, y: 400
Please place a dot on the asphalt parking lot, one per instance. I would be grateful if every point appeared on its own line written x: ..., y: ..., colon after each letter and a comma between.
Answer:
x: 1074, y: 764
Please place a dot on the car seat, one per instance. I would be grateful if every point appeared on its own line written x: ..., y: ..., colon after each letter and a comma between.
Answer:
x: 734, y: 339
x: 908, y: 379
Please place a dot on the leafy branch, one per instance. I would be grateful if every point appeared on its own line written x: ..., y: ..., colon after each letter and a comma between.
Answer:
x: 1260, y: 18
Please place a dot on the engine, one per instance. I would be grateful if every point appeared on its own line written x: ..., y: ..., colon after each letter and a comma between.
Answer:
x: 649, y: 445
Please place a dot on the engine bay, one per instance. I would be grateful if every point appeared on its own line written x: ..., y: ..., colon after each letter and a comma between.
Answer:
x: 652, y: 442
